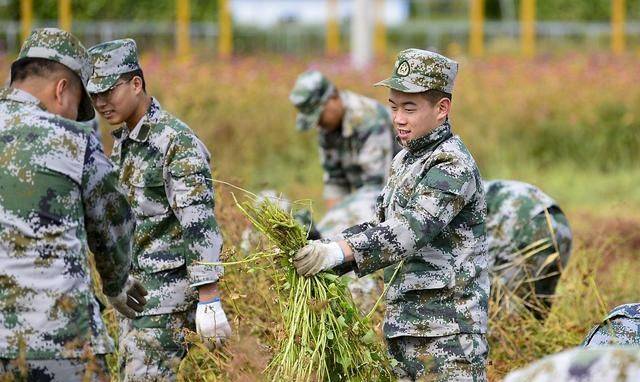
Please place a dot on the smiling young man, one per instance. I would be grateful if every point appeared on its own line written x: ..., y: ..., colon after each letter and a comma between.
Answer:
x: 431, y: 224
x: 164, y: 172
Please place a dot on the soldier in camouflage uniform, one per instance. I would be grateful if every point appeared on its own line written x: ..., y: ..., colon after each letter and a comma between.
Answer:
x: 355, y: 135
x: 620, y: 327
x: 430, y: 226
x: 164, y: 171
x: 58, y: 198
x: 523, y: 244
x: 601, y: 364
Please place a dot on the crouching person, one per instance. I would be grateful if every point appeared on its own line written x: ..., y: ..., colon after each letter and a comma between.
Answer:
x: 164, y: 172
x: 431, y: 224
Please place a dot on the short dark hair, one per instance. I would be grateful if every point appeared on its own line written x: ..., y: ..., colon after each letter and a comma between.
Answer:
x: 136, y: 73
x: 433, y: 96
x: 27, y: 67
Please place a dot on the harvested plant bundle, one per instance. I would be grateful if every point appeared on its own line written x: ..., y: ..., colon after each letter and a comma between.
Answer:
x: 326, y: 338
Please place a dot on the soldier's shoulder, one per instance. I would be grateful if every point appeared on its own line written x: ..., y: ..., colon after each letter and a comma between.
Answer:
x: 59, y: 124
x: 170, y: 128
x: 365, y: 114
x: 454, y: 152
x: 601, y: 364
x: 626, y: 310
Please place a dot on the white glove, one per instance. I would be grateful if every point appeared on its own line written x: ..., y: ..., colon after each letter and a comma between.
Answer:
x: 131, y: 299
x: 317, y: 257
x: 211, y: 322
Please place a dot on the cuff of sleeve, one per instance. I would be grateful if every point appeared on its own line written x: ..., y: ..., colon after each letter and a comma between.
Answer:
x: 201, y: 274
x: 359, y: 265
x: 113, y: 288
x: 333, y: 191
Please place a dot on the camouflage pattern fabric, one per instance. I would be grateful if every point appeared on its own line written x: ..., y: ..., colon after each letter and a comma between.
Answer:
x: 516, y: 221
x: 58, y: 199
x: 599, y: 364
x: 112, y: 59
x: 360, y: 153
x: 60, y: 46
x: 152, y: 347
x: 309, y: 94
x: 58, y: 195
x: 55, y: 370
x: 416, y: 71
x: 356, y: 208
x: 430, y: 215
x: 620, y: 327
x: 459, y: 357
x: 164, y: 171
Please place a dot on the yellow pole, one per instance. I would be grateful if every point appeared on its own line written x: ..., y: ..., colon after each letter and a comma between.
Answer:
x: 618, y: 15
x: 380, y: 33
x: 26, y: 17
x: 183, y: 42
x: 476, y: 38
x: 225, y: 35
x: 64, y: 14
x: 332, y: 41
x: 528, y: 27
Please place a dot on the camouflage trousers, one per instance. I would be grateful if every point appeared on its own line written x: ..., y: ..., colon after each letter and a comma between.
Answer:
x: 532, y: 274
x: 152, y: 347
x: 55, y: 370
x: 459, y: 357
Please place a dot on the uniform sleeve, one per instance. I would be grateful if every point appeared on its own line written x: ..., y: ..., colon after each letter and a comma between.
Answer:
x: 438, y: 197
x: 336, y: 184
x: 189, y: 188
x: 108, y: 219
x: 375, y: 155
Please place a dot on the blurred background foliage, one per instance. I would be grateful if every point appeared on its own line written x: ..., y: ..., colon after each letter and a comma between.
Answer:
x: 206, y: 10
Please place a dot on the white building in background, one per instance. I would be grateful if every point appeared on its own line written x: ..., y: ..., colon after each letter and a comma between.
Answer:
x: 266, y: 13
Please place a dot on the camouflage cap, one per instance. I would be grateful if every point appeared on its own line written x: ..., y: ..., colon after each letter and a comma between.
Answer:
x: 112, y: 59
x: 61, y: 46
x: 310, y: 92
x: 417, y: 70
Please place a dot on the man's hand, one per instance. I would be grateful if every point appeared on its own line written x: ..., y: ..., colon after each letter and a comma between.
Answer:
x: 211, y: 322
x: 317, y: 257
x: 131, y: 299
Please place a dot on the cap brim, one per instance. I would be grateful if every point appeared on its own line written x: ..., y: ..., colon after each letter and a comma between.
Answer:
x: 308, y: 121
x: 102, y: 84
x: 401, y: 85
x: 85, y: 110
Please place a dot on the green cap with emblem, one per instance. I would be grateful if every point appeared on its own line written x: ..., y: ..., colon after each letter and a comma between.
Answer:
x: 417, y: 71
x: 112, y: 59
x: 62, y: 47
x: 310, y: 92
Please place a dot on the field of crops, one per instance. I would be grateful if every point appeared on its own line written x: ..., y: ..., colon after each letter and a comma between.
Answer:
x: 569, y: 124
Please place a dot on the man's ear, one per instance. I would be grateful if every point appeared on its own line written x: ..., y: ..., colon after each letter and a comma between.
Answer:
x: 137, y: 85
x: 444, y: 107
x: 61, y: 85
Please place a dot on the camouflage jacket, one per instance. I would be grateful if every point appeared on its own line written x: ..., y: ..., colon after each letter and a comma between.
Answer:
x: 360, y: 153
x: 58, y: 198
x: 431, y: 214
x: 600, y: 364
x: 510, y: 207
x: 620, y: 327
x: 165, y: 174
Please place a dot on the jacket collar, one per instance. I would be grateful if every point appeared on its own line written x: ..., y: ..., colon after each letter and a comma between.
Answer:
x: 419, y: 146
x: 21, y: 96
x: 140, y: 132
